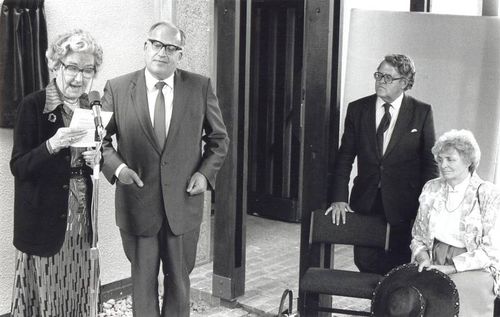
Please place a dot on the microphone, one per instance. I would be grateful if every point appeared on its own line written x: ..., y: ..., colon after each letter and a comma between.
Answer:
x: 95, y: 103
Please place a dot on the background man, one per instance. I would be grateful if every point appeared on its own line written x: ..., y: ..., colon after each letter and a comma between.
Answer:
x: 391, y: 134
x: 160, y: 116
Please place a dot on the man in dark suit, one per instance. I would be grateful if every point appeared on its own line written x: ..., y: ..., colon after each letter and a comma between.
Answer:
x: 391, y: 134
x: 161, y: 115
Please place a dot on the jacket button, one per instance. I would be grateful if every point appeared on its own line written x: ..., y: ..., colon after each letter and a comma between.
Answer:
x: 65, y: 186
x: 164, y: 163
x: 67, y: 158
x: 63, y: 216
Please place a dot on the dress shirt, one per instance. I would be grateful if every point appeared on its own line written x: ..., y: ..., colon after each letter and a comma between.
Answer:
x: 393, y: 110
x: 152, y: 93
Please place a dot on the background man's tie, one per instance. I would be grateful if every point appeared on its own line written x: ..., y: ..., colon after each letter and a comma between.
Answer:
x: 382, y: 127
x: 159, y: 120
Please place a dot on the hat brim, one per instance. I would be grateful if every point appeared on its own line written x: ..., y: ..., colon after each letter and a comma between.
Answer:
x: 437, y: 288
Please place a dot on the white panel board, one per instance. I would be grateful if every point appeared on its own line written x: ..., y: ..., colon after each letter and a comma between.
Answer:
x: 457, y: 60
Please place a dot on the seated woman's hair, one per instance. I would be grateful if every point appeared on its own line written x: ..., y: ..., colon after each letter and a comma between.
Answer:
x: 464, y: 142
x: 73, y: 41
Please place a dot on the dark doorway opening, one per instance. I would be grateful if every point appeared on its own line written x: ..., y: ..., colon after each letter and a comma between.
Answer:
x: 274, y: 108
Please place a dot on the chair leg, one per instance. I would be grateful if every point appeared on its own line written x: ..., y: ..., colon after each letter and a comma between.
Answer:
x: 496, y: 310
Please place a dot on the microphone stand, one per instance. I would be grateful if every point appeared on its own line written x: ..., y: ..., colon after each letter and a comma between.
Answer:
x: 94, y: 250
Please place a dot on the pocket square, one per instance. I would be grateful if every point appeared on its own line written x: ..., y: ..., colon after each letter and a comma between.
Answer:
x: 413, y: 130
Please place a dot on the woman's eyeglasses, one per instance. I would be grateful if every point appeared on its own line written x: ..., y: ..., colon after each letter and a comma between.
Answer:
x: 73, y: 70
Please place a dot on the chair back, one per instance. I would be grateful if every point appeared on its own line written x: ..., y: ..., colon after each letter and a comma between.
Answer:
x: 359, y: 230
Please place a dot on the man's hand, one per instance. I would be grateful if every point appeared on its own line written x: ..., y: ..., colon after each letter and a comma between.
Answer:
x: 338, y: 210
x: 197, y: 184
x: 128, y: 176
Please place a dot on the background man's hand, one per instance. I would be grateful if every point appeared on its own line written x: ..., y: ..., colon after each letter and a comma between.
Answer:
x: 128, y: 176
x: 197, y: 184
x: 338, y: 210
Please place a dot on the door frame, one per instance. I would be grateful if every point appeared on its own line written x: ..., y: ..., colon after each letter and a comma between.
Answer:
x: 319, y: 124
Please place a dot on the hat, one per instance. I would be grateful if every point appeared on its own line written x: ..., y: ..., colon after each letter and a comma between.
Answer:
x: 406, y: 292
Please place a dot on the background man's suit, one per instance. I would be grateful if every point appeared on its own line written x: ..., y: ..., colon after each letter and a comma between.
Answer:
x: 389, y: 185
x: 165, y: 174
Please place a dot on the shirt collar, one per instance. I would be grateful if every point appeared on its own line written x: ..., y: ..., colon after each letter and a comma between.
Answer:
x: 151, y: 80
x: 396, y: 104
x: 461, y: 187
x: 52, y: 97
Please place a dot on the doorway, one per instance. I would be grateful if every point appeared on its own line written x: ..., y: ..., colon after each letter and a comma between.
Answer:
x: 274, y: 108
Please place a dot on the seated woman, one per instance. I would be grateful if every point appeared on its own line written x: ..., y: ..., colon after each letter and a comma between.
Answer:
x: 457, y: 229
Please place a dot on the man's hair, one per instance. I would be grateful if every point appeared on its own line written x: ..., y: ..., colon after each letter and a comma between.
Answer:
x: 170, y: 25
x: 404, y: 66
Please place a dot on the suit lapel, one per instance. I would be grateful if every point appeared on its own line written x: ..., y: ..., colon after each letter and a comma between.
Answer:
x: 369, y: 125
x: 181, y: 92
x: 139, y: 99
x: 404, y: 118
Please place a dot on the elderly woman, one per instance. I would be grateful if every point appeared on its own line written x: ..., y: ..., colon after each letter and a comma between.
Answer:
x: 53, y: 187
x: 457, y: 229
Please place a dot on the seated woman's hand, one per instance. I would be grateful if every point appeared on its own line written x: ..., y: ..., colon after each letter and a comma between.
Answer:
x: 423, y: 260
x: 446, y: 269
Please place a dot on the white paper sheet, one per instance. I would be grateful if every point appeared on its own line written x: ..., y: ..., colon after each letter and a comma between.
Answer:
x: 84, y: 119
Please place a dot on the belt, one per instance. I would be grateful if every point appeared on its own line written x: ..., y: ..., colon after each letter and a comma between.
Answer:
x: 78, y: 171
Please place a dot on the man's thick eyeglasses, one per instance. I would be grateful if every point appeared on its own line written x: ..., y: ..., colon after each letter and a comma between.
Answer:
x: 169, y: 48
x: 73, y: 70
x: 385, y: 77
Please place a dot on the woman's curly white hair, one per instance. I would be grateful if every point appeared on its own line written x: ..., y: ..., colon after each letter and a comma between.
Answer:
x: 73, y: 41
x: 464, y: 142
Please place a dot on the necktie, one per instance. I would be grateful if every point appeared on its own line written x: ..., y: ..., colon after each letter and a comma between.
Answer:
x: 382, y: 127
x: 159, y: 119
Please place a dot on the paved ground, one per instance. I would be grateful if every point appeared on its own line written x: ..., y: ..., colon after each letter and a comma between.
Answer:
x: 272, y: 266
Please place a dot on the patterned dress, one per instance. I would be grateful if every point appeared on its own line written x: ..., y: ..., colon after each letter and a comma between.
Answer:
x: 59, y: 285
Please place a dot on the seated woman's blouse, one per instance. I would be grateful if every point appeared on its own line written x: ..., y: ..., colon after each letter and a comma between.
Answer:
x: 479, y: 227
x: 448, y: 223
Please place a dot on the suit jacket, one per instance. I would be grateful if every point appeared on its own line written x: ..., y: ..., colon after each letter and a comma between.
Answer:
x: 41, y: 179
x: 166, y: 173
x: 406, y: 166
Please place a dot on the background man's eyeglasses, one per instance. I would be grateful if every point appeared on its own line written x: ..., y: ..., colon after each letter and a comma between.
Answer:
x: 73, y: 70
x: 385, y: 77
x: 169, y: 48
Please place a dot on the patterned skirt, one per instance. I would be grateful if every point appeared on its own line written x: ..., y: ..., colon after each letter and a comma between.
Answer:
x: 58, y: 285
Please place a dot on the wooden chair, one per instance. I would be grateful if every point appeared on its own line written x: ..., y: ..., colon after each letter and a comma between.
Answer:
x: 359, y: 230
